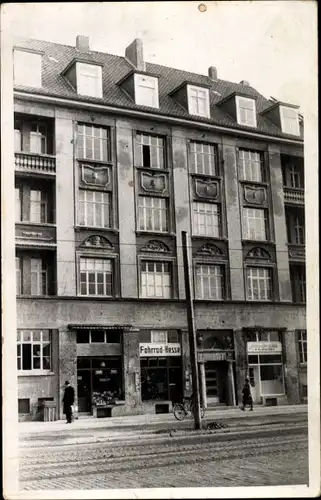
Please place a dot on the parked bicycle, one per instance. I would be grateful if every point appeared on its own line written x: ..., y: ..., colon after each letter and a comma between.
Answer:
x: 185, y: 409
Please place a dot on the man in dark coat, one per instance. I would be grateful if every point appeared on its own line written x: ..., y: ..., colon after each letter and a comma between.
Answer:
x: 68, y: 401
x: 247, y: 398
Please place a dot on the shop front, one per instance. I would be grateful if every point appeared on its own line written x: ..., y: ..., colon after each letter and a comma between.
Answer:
x: 97, y: 377
x: 160, y: 366
x: 99, y: 366
x: 266, y: 371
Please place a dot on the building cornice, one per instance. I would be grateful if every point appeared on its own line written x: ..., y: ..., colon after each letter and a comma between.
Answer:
x: 60, y: 101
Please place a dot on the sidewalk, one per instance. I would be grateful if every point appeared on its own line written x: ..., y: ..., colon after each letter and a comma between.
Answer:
x: 149, y: 421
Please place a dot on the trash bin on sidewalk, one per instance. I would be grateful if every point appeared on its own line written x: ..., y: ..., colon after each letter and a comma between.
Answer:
x: 49, y: 414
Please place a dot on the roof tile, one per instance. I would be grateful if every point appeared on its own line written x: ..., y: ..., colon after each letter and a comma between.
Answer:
x: 57, y: 57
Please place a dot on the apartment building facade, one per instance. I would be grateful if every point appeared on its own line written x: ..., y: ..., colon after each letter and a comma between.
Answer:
x: 114, y: 158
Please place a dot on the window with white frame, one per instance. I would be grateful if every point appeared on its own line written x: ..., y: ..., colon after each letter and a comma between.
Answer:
x: 149, y: 151
x: 39, y: 277
x: 296, y: 177
x: 251, y: 165
x: 146, y: 90
x: 254, y: 224
x: 33, y: 350
x: 209, y: 282
x: 92, y: 142
x: 259, y: 283
x: 153, y: 214
x: 299, y: 231
x: 38, y: 138
x: 246, y: 111
x: 38, y: 206
x: 89, y: 80
x: 17, y: 136
x: 203, y: 158
x: 94, y: 208
x: 27, y: 68
x: 159, y: 336
x: 264, y: 336
x: 18, y: 204
x: 206, y: 219
x: 198, y: 101
x: 156, y: 279
x: 289, y: 120
x: 96, y: 276
x: 303, y: 346
x: 18, y: 275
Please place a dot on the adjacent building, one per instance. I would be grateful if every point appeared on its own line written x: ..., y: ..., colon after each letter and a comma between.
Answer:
x: 114, y: 158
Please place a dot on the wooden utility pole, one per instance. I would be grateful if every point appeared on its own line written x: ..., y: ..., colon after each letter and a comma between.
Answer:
x: 191, y: 334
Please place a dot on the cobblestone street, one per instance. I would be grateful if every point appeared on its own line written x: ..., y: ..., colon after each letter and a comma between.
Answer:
x: 260, y: 456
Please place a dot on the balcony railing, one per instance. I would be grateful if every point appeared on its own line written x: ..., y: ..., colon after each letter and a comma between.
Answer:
x: 293, y: 195
x: 31, y: 162
x: 35, y: 234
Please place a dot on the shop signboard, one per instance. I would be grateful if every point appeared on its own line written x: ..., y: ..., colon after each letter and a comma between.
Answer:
x: 158, y: 349
x: 211, y: 356
x: 264, y: 347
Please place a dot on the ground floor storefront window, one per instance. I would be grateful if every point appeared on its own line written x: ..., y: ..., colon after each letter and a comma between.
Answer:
x: 161, y: 378
x: 96, y: 376
x: 266, y: 375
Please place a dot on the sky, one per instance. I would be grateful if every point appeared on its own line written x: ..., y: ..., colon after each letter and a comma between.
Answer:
x: 271, y: 44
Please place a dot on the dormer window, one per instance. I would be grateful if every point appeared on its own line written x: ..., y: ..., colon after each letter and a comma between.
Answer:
x: 198, y: 101
x: 245, y: 111
x: 27, y: 68
x: 146, y: 90
x: 89, y: 80
x: 289, y: 120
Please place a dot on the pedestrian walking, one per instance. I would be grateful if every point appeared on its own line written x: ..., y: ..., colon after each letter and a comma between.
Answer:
x: 68, y: 401
x: 247, y: 397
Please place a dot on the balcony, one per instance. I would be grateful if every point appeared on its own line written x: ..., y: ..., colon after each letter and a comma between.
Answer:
x: 295, y: 196
x: 296, y: 252
x: 35, y: 163
x: 35, y: 235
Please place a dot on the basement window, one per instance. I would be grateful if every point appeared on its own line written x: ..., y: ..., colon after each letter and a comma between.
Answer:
x: 23, y: 406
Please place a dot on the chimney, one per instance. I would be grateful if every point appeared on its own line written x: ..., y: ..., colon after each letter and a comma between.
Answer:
x: 212, y: 72
x: 245, y: 82
x: 134, y: 54
x: 82, y: 43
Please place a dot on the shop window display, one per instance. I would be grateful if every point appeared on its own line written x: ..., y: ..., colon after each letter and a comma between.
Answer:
x: 161, y: 379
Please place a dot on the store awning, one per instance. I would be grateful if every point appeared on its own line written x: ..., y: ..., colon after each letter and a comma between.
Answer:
x: 91, y: 326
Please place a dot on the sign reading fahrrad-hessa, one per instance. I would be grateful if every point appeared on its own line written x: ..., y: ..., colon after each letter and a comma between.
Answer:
x: 160, y: 349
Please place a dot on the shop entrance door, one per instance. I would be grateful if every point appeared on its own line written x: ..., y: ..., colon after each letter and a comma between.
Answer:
x: 84, y: 390
x: 211, y: 375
